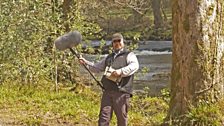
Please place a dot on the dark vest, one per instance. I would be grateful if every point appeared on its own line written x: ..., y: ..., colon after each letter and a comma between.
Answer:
x: 126, y: 83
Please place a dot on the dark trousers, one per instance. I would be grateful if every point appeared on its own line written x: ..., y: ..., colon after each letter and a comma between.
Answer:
x: 117, y: 102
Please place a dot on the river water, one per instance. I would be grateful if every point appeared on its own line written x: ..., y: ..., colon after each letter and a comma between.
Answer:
x: 155, y: 65
x: 156, y: 58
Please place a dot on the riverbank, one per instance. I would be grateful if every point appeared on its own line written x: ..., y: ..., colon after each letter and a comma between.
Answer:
x: 154, y: 85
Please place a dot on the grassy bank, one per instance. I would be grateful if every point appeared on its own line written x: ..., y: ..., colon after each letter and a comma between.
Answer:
x: 40, y: 105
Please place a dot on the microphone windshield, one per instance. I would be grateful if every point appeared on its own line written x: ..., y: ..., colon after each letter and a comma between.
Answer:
x: 68, y: 40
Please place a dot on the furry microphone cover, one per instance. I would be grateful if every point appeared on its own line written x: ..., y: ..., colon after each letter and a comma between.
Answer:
x: 68, y: 40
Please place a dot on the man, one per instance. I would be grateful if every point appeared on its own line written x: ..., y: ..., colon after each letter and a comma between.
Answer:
x: 119, y: 68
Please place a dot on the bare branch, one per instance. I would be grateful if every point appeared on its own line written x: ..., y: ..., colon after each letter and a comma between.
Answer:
x: 140, y: 6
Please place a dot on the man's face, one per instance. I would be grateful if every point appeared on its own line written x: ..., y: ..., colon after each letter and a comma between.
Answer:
x: 117, y: 44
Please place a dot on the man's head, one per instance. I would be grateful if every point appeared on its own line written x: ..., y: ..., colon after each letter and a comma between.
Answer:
x: 117, y: 41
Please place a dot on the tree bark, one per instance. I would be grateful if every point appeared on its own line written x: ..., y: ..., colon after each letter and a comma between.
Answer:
x: 54, y: 5
x: 157, y: 13
x: 198, y: 54
x: 66, y: 7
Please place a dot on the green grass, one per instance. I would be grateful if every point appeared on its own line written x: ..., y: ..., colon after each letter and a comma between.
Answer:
x: 32, y: 105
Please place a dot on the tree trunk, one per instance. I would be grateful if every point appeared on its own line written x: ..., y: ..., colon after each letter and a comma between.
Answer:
x: 66, y: 9
x: 156, y: 8
x: 54, y: 5
x: 198, y: 54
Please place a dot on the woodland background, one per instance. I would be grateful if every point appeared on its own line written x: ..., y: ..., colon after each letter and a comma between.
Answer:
x: 42, y: 86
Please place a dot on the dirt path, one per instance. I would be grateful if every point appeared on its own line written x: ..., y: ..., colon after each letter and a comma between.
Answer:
x: 7, y: 119
x: 4, y: 122
x: 1, y: 124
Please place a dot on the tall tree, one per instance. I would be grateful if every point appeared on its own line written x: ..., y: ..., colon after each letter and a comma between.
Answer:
x: 157, y: 13
x: 198, y: 54
x: 66, y: 7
